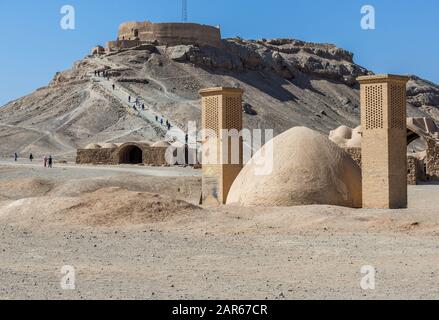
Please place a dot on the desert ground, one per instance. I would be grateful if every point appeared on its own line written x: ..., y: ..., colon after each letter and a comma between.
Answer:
x: 136, y: 232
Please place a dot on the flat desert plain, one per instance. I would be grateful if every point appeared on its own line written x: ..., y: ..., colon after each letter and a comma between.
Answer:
x: 138, y: 233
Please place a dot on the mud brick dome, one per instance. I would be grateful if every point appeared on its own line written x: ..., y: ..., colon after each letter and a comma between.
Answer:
x: 308, y: 169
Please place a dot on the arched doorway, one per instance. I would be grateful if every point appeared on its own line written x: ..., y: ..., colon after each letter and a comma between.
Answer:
x: 130, y: 154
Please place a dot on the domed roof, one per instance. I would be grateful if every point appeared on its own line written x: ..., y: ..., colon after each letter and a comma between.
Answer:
x: 109, y: 146
x: 161, y: 144
x: 346, y: 137
x: 343, y: 132
x: 306, y: 168
x: 341, y: 135
x: 355, y: 141
x: 92, y: 146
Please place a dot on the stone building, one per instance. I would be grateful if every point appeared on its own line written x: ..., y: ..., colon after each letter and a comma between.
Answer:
x: 98, y: 50
x: 126, y: 153
x: 160, y: 153
x: 133, y: 34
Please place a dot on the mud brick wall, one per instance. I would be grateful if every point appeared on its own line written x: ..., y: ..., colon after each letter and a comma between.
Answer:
x: 415, y: 170
x: 432, y: 161
x: 97, y: 156
x: 152, y: 156
x: 355, y: 154
x: 171, y: 33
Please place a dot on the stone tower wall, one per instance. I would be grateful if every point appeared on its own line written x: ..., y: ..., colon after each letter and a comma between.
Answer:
x: 170, y: 33
x: 221, y: 109
x: 384, y: 143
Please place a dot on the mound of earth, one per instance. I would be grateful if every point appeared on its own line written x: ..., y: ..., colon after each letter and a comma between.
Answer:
x: 115, y: 206
x: 108, y: 207
x: 25, y: 188
x: 187, y: 189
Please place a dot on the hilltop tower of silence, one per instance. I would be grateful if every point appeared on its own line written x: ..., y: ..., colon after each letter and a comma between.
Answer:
x: 134, y: 34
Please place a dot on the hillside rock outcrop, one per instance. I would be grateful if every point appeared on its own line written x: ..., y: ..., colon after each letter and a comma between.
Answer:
x: 286, y: 82
x: 285, y: 57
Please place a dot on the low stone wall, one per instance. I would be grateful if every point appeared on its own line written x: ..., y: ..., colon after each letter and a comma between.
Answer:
x: 355, y: 154
x: 415, y: 171
x: 122, y: 44
x: 98, y: 50
x: 151, y: 156
x: 97, y: 156
x: 155, y: 156
x: 415, y: 168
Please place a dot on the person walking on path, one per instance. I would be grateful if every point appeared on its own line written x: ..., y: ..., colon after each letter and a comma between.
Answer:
x: 129, y: 99
x: 31, y: 157
x: 15, y: 156
x: 50, y: 161
x: 114, y: 87
x: 45, y: 161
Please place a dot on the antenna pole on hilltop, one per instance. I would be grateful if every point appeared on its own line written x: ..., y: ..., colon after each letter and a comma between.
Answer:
x: 184, y: 11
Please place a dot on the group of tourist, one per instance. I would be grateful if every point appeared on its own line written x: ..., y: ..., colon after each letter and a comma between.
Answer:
x: 137, y: 104
x: 105, y: 74
x: 163, y: 122
x: 102, y: 73
x: 48, y: 161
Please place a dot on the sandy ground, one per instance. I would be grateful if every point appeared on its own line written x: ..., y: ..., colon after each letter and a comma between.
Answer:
x: 138, y: 233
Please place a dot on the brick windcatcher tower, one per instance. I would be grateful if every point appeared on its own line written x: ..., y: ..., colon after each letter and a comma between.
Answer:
x: 384, y: 142
x: 221, y: 109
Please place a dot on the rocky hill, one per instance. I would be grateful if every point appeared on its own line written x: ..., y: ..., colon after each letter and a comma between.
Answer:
x: 287, y: 83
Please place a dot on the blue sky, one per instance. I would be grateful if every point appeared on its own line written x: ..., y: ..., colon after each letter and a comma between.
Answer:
x: 34, y: 46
